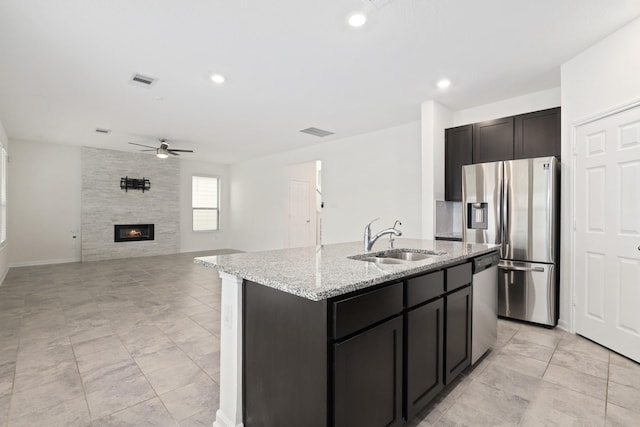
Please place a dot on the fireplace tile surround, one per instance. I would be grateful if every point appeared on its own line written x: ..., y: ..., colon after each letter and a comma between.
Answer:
x: 104, y: 204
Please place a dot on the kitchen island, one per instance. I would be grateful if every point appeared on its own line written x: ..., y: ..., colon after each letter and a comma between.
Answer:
x: 318, y: 336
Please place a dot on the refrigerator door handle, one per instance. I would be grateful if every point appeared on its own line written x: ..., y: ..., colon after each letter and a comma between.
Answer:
x: 505, y: 217
x: 501, y: 212
x: 507, y: 299
x: 533, y: 269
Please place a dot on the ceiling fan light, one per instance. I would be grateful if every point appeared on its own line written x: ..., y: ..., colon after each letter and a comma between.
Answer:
x: 162, y: 153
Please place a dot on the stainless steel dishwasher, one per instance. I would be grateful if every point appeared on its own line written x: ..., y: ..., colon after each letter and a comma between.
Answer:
x: 484, y: 320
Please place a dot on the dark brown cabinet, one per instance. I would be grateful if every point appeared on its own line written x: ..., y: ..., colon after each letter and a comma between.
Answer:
x: 361, y: 311
x: 368, y: 378
x: 537, y: 134
x: 425, y: 346
x: 438, y: 333
x: 493, y: 140
x: 457, y: 153
x: 370, y: 358
x: 457, y: 333
x: 524, y: 136
x: 284, y: 347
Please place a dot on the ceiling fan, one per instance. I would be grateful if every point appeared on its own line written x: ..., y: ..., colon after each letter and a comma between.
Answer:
x: 163, y: 151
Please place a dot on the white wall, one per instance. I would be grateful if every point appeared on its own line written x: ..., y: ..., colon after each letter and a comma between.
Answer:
x: 44, y: 204
x: 601, y: 78
x: 4, y: 250
x: 190, y: 240
x: 435, y: 119
x: 527, y: 103
x: 363, y: 177
x: 44, y: 209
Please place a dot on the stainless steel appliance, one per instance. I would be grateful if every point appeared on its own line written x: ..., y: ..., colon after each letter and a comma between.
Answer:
x: 515, y: 203
x: 484, y: 318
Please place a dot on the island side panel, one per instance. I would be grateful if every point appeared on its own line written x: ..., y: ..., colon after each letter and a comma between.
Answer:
x: 229, y: 413
x: 285, y: 359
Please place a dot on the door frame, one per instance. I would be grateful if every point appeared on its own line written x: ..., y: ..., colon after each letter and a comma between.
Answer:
x: 301, y: 172
x: 573, y: 138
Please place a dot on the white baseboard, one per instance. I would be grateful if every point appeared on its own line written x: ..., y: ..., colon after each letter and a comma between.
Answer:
x: 44, y: 262
x: 564, y: 325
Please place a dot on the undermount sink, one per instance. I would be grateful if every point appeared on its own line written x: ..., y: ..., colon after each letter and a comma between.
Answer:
x: 398, y: 256
x: 407, y: 256
x: 381, y: 260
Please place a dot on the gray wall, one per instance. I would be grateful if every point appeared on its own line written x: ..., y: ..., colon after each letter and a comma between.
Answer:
x: 104, y: 204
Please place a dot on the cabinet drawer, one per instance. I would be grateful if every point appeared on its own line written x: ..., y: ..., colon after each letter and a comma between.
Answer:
x: 358, y: 312
x: 424, y: 288
x: 458, y: 276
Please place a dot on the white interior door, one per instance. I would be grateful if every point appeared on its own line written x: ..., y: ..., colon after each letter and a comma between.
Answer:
x: 301, y: 230
x: 607, y: 232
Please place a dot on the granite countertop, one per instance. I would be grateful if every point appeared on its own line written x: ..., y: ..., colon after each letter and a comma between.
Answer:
x: 321, y: 272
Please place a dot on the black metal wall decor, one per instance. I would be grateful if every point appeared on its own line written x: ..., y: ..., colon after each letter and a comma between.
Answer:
x: 127, y: 183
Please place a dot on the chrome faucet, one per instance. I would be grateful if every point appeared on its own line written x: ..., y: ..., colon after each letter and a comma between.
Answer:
x: 391, y: 239
x: 369, y: 241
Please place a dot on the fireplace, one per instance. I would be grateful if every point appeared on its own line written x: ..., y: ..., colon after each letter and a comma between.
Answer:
x: 132, y: 233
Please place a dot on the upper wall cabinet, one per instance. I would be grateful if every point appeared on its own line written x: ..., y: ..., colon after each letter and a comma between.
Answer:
x: 523, y: 136
x: 493, y: 140
x: 537, y: 134
x: 457, y: 153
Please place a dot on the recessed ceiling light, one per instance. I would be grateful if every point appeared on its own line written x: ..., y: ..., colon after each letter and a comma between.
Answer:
x: 217, y: 78
x: 444, y: 83
x: 357, y: 19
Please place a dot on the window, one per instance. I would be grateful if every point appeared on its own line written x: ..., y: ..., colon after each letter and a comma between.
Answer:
x: 204, y: 201
x: 3, y: 195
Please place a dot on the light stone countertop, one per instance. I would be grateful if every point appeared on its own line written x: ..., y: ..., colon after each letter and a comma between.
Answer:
x: 321, y: 272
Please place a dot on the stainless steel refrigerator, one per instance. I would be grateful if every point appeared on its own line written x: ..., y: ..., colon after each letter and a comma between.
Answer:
x: 515, y: 203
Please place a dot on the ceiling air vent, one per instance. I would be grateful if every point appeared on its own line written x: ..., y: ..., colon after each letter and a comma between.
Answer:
x: 102, y: 130
x: 316, y: 132
x: 144, y: 81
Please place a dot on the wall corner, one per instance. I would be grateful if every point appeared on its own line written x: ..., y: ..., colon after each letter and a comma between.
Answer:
x: 435, y: 118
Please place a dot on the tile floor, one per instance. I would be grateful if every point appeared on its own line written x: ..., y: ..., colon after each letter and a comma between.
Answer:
x: 110, y: 343
x: 541, y: 377
x: 135, y: 342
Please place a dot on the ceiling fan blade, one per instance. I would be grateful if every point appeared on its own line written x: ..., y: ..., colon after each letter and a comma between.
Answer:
x: 153, y: 149
x: 181, y: 151
x: 172, y: 153
x: 142, y: 145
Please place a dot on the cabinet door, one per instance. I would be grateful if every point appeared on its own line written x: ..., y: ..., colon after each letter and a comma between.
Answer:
x: 537, y: 134
x: 458, y: 333
x: 457, y: 153
x: 493, y: 140
x: 368, y: 378
x: 425, y: 330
